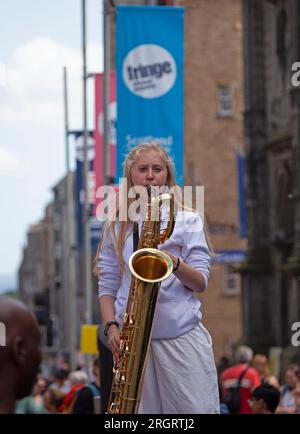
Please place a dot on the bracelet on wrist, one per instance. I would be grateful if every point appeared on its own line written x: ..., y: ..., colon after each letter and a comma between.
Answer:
x: 108, y: 324
x: 175, y: 267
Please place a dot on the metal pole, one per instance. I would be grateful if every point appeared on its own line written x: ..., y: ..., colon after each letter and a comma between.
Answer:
x: 87, y: 240
x: 70, y: 237
x: 106, y: 68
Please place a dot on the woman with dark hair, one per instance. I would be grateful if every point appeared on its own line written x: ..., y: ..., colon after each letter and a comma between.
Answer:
x: 292, y: 380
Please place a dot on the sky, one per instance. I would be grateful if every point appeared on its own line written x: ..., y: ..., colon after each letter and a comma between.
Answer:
x: 38, y: 38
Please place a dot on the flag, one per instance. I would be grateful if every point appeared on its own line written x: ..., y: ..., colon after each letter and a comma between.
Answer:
x: 150, y: 80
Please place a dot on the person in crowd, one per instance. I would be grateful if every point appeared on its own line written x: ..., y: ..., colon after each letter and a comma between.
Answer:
x: 180, y: 375
x: 33, y: 404
x: 297, y: 399
x: 20, y: 357
x: 53, y: 400
x: 61, y: 381
x: 223, y: 364
x: 249, y: 380
x: 291, y: 382
x: 260, y: 363
x: 78, y: 380
x: 88, y: 398
x: 264, y: 399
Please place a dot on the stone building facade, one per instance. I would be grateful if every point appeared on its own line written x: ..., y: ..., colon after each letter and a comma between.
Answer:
x: 34, y: 277
x: 213, y: 125
x: 271, y: 291
x: 44, y: 276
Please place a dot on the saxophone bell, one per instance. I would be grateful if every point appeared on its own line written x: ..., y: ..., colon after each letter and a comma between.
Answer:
x: 150, y: 265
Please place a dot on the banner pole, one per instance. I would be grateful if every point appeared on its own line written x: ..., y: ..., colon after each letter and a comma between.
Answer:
x: 87, y: 241
x: 71, y: 289
x: 106, y: 68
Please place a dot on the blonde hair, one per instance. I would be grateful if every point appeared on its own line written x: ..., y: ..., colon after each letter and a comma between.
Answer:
x: 110, y: 226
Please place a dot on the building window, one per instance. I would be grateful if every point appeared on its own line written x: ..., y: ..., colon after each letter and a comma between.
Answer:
x: 57, y: 251
x: 232, y: 280
x: 225, y: 101
x: 56, y: 236
x: 57, y: 267
x: 56, y: 217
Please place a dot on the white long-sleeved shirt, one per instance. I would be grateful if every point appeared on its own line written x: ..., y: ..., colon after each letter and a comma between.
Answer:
x: 178, y: 310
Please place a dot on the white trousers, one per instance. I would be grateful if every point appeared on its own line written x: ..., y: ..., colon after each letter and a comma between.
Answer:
x: 180, y: 376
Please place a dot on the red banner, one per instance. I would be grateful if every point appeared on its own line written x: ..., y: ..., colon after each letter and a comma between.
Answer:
x: 99, y: 125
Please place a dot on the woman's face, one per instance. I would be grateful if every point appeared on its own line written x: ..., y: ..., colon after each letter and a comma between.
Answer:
x: 291, y: 378
x: 149, y: 169
x: 260, y: 365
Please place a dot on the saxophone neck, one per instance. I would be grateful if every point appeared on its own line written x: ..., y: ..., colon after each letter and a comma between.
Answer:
x: 153, y: 215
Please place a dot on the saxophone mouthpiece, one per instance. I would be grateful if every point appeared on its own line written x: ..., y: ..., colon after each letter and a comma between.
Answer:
x: 152, y: 191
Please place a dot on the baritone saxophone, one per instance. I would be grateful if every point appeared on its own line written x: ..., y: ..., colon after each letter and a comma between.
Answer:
x: 149, y: 267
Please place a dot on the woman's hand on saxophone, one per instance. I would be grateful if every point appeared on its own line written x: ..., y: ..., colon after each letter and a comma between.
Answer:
x: 173, y: 258
x: 107, y: 313
x: 190, y: 277
x: 114, y: 342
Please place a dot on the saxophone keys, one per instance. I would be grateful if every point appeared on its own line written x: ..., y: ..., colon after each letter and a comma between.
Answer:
x: 124, y: 345
x: 129, y: 319
x: 114, y: 408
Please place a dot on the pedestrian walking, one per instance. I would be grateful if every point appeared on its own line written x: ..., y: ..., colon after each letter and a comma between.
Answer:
x: 240, y: 376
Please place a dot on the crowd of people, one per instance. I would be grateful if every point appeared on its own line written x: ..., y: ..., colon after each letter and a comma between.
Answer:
x: 258, y: 391
x: 65, y: 392
x: 23, y: 391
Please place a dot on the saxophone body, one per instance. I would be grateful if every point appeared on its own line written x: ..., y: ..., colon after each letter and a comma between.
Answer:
x: 149, y: 267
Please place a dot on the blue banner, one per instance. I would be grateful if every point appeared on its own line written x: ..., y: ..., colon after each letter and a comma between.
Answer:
x: 95, y: 226
x: 150, y: 80
x: 228, y: 256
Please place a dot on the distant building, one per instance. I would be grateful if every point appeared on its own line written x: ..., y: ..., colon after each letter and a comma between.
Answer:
x: 43, y: 275
x: 60, y: 308
x: 33, y: 285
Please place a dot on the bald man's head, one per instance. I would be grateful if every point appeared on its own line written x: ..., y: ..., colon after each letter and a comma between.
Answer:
x: 21, y: 356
